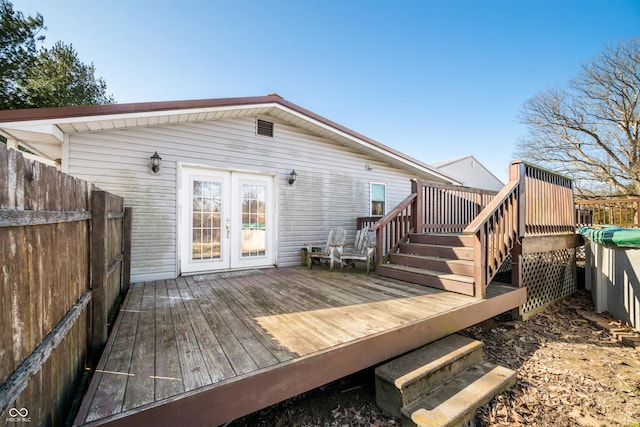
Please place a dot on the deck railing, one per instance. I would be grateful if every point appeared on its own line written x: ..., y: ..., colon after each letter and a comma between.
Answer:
x: 535, y: 202
x: 431, y: 208
x: 448, y: 208
x: 548, y: 205
x: 495, y: 231
x: 394, y: 228
x: 619, y: 212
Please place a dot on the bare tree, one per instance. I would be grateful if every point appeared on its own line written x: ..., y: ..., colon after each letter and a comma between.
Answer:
x: 589, y: 130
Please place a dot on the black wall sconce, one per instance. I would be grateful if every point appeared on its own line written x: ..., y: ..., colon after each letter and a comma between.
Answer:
x: 155, y: 162
x: 292, y: 176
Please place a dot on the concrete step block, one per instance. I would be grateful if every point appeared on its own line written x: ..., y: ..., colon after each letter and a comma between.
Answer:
x: 412, y: 376
x: 455, y: 403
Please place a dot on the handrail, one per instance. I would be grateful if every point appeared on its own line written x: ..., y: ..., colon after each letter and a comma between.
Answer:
x: 491, y: 207
x: 611, y: 200
x: 391, y: 215
x: 394, y: 228
x: 496, y: 231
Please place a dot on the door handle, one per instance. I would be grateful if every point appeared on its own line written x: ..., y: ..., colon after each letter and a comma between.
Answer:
x: 228, y: 227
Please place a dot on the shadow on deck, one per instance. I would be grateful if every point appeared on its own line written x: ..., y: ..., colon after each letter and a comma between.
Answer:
x: 205, y: 350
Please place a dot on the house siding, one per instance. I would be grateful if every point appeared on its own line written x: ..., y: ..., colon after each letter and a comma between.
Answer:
x: 472, y: 174
x: 332, y: 187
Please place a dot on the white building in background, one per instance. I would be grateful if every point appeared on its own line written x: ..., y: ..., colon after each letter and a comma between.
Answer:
x: 470, y: 172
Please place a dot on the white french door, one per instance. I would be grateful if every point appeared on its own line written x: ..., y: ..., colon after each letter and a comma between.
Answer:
x: 226, y: 220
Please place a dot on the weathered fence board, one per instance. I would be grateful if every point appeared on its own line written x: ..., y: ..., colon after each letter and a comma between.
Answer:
x: 106, y: 263
x: 13, y: 218
x: 45, y: 286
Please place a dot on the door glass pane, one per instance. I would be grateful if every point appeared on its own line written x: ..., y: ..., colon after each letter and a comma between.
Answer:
x: 253, y: 220
x: 206, y: 205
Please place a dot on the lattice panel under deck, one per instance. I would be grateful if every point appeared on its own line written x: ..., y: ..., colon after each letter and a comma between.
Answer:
x: 548, y: 276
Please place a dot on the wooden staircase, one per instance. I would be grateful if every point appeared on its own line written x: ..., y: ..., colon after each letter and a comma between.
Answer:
x: 457, y: 238
x: 444, y: 261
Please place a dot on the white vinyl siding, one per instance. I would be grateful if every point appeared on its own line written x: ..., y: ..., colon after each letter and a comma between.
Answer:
x: 471, y: 173
x: 332, y: 187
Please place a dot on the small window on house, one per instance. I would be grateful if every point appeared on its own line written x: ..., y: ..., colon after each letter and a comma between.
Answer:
x: 264, y: 128
x: 378, y: 198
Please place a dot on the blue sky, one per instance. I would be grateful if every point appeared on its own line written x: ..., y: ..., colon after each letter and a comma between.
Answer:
x: 434, y: 79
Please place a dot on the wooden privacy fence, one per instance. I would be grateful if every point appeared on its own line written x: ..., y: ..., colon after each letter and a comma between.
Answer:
x: 62, y: 259
x: 620, y: 212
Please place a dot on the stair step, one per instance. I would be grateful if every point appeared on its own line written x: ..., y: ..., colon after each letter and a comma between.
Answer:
x: 462, y: 267
x: 441, y: 251
x: 454, y: 403
x: 409, y: 378
x: 435, y: 279
x: 445, y: 239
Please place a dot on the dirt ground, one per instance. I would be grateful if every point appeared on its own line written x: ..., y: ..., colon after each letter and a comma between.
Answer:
x: 570, y: 373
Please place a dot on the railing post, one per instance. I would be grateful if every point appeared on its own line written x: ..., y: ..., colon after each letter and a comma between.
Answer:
x: 417, y: 206
x: 378, y: 255
x: 480, y: 264
x: 518, y: 171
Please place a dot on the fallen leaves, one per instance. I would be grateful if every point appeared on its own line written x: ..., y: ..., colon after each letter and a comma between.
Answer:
x: 570, y: 373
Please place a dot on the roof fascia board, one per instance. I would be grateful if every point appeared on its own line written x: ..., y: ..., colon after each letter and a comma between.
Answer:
x: 263, y: 103
x: 123, y: 116
x: 39, y: 128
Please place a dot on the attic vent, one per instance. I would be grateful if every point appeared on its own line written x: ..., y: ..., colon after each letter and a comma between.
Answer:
x: 264, y: 128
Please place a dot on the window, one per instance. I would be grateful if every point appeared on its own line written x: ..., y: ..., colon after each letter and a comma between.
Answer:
x: 378, y: 198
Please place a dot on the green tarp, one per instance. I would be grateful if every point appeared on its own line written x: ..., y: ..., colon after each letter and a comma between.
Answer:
x: 612, y: 236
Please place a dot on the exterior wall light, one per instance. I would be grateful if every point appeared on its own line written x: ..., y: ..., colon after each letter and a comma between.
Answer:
x: 292, y: 176
x: 155, y: 162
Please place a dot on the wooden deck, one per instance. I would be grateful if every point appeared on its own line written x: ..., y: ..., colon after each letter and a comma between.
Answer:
x: 205, y: 350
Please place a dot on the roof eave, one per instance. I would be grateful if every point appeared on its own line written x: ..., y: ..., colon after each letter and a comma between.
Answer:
x: 39, y: 125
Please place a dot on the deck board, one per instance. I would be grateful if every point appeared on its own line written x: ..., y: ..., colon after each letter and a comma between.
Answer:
x: 192, y: 346
x: 215, y: 361
x: 257, y: 303
x: 256, y: 343
x: 229, y: 330
x: 140, y: 387
x: 109, y: 396
x: 193, y: 370
x: 168, y: 378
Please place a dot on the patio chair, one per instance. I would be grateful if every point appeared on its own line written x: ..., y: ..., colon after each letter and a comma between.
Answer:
x: 330, y: 251
x: 363, y: 250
